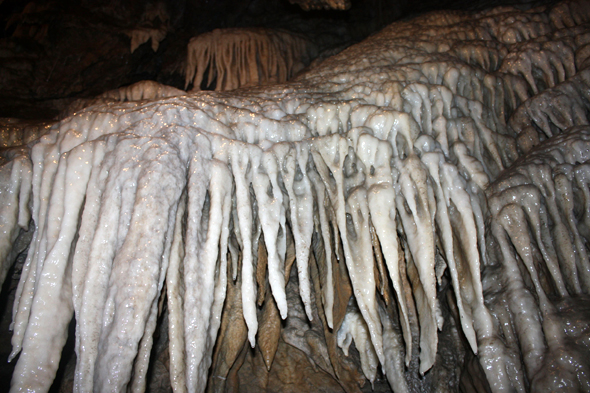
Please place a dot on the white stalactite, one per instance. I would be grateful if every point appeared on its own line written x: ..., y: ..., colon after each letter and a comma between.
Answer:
x: 393, y: 158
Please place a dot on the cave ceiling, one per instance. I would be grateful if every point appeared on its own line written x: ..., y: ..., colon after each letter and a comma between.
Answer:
x: 57, y: 51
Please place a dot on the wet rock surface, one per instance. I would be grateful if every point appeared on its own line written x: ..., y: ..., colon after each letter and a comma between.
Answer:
x: 411, y: 214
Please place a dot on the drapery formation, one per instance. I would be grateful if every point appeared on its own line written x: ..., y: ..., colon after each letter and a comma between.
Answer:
x: 344, y: 199
x: 238, y: 57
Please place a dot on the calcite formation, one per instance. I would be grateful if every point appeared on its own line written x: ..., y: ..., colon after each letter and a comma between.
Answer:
x: 434, y: 176
x: 240, y: 57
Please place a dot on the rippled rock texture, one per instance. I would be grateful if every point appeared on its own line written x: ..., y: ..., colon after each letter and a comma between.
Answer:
x: 413, y: 213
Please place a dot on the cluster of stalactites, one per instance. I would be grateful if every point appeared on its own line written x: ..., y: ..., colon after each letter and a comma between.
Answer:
x: 356, y: 183
x: 383, y: 161
x: 539, y: 218
x: 543, y: 61
x: 238, y: 57
x: 153, y: 26
x: 141, y: 35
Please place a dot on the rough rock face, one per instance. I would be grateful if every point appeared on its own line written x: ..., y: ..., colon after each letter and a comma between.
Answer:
x: 322, y: 4
x: 56, y: 52
x: 414, y: 210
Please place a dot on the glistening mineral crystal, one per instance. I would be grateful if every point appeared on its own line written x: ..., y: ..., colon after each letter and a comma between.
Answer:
x: 380, y: 177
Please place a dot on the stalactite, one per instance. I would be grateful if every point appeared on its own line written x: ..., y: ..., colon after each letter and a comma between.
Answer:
x: 232, y: 58
x: 140, y: 36
x: 345, y: 202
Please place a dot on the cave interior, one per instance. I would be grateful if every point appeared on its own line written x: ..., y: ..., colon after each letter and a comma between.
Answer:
x: 459, y: 127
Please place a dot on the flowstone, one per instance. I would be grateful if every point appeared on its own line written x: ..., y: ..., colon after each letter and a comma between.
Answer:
x: 361, y: 217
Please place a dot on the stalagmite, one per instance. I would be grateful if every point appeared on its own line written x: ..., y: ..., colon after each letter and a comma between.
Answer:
x: 428, y: 184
